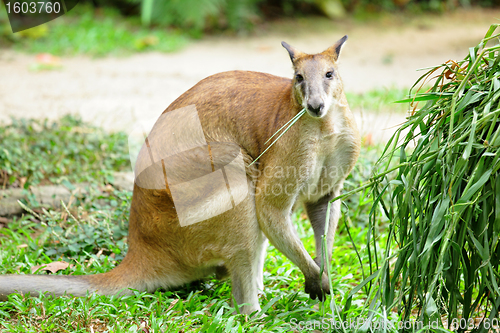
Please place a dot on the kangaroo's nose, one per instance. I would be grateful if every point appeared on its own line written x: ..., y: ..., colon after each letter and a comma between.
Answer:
x: 315, y: 109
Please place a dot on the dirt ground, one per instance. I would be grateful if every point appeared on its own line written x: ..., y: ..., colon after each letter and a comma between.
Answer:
x: 116, y: 92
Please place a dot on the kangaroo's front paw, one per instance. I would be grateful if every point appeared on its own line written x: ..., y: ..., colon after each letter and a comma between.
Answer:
x: 317, y: 288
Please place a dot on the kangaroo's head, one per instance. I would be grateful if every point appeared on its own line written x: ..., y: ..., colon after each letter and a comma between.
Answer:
x: 316, y: 83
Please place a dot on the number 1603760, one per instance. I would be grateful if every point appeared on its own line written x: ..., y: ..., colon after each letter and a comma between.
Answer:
x: 33, y: 7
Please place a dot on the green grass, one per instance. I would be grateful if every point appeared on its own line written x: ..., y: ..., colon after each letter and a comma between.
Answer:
x: 379, y: 100
x: 200, y: 307
x: 93, y: 32
x: 35, y: 151
x: 93, y: 239
x: 102, y: 229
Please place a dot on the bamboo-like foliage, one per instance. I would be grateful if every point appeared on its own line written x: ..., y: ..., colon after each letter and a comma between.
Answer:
x: 442, y: 261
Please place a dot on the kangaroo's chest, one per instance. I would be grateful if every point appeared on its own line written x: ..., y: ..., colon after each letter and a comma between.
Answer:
x: 330, y: 155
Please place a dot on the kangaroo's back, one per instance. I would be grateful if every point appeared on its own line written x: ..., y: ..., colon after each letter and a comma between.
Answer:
x: 244, y: 107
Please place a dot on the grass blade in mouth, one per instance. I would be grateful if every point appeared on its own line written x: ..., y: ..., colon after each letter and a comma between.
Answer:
x: 288, y: 124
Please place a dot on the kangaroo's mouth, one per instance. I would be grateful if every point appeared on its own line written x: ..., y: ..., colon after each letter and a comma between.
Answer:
x: 316, y: 110
x: 315, y: 113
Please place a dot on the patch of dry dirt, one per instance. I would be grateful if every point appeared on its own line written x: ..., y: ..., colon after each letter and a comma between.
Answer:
x: 116, y: 92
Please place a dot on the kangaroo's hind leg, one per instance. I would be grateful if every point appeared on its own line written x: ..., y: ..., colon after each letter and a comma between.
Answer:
x: 260, y: 266
x: 246, y: 274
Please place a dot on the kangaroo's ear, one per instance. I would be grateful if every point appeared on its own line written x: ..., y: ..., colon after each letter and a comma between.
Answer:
x: 293, y: 52
x: 334, y: 51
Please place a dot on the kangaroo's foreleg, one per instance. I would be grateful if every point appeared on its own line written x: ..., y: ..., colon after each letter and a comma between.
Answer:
x: 276, y: 224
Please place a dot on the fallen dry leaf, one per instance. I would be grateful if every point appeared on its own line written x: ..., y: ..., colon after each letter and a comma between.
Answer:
x: 91, y: 261
x: 172, y: 304
x: 53, y: 267
x: 22, y: 181
x: 47, y: 58
x: 368, y: 140
x: 108, y: 188
x: 3, y: 222
x: 46, y: 61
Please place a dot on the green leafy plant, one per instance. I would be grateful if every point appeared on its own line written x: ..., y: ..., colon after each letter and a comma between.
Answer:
x: 197, y: 16
x: 442, y: 259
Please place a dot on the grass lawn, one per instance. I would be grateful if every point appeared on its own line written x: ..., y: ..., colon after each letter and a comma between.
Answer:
x: 91, y: 235
x: 379, y: 100
x: 93, y: 32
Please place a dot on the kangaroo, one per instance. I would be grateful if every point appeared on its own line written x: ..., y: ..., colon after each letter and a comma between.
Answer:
x: 236, y: 112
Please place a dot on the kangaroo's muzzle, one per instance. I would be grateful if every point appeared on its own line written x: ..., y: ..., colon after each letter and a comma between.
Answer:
x: 316, y: 109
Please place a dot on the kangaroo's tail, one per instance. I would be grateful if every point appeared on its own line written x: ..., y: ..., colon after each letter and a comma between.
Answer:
x: 110, y: 283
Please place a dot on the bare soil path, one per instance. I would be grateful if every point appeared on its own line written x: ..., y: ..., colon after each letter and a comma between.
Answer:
x: 116, y: 92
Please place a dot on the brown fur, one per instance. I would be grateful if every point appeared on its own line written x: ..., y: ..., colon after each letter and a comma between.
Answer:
x: 244, y: 109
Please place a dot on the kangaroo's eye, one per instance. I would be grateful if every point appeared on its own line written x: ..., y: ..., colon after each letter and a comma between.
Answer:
x: 299, y: 78
x: 329, y: 75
